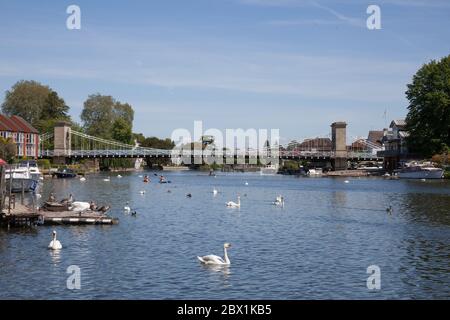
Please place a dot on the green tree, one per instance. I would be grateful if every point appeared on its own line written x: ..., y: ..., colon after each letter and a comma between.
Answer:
x: 428, y: 119
x: 122, y: 131
x: 54, y: 108
x: 101, y: 113
x: 26, y: 99
x: 8, y: 149
x: 97, y: 116
x: 153, y: 142
x: 36, y: 103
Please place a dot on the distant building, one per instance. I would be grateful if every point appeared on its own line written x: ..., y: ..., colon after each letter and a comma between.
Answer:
x: 315, y: 145
x: 394, y: 141
x: 372, y: 144
x: 376, y: 137
x: 23, y: 134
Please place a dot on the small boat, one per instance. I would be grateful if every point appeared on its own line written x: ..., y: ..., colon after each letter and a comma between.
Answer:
x: 314, y: 172
x: 55, y: 206
x: 420, y: 171
x: 64, y: 173
x: 269, y: 170
x: 32, y: 167
x: 20, y: 178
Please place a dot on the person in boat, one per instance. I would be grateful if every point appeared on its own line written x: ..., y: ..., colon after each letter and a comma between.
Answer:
x: 162, y: 179
x: 93, y: 206
x: 146, y: 179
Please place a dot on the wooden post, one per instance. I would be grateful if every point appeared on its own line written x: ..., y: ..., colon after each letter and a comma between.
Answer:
x: 22, y: 199
x: 10, y: 189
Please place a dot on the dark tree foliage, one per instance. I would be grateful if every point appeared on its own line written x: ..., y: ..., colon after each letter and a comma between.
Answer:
x: 428, y: 119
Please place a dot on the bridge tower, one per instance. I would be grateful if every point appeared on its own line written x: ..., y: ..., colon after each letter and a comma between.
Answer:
x: 339, y: 145
x: 62, y: 142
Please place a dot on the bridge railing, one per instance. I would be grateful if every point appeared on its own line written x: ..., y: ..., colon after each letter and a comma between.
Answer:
x: 143, y: 152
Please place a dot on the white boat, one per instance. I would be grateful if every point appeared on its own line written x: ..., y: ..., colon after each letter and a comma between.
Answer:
x: 21, y: 179
x: 420, y: 171
x: 32, y: 168
x: 314, y: 172
x: 269, y: 170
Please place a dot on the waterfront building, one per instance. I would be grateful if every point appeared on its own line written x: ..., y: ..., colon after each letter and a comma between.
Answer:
x: 23, y: 134
x: 395, y: 152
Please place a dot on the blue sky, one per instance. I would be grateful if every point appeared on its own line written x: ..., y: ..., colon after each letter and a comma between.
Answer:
x: 296, y: 65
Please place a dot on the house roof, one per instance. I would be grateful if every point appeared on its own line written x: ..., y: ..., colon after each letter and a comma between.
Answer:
x: 15, y: 124
x: 24, y: 125
x: 8, y: 124
x: 375, y: 136
x: 400, y: 123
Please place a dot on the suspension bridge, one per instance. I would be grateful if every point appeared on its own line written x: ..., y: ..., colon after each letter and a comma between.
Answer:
x: 64, y: 144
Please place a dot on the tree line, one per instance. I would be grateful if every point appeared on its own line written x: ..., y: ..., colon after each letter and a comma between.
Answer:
x: 102, y: 115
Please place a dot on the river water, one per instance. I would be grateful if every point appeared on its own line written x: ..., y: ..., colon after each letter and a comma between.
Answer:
x: 318, y: 246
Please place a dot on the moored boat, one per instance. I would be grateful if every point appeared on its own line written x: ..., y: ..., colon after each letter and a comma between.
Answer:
x: 64, y: 173
x: 420, y: 171
x: 269, y: 170
x: 18, y: 179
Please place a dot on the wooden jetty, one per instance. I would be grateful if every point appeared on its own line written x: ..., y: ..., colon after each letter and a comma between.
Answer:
x: 23, y: 215
x: 15, y: 213
x: 71, y: 217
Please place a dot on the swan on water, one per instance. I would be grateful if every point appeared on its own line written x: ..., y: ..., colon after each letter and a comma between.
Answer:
x: 142, y: 192
x: 127, y: 208
x: 79, y: 206
x: 119, y: 176
x: 246, y: 183
x: 215, y: 192
x: 107, y: 179
x: 54, y: 244
x: 232, y: 204
x: 82, y: 179
x: 279, y: 201
x: 346, y: 181
x: 216, y: 260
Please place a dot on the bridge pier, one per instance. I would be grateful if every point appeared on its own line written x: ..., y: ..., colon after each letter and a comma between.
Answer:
x: 339, y: 145
x: 62, y: 142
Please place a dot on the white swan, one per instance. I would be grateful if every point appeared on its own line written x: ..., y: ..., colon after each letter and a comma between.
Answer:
x: 107, y: 179
x: 279, y: 201
x: 232, y: 204
x: 79, y: 206
x: 215, y: 192
x: 127, y: 208
x: 142, y: 192
x: 55, y: 244
x: 216, y: 260
x: 346, y: 181
x: 119, y: 176
x: 246, y: 183
x: 82, y: 179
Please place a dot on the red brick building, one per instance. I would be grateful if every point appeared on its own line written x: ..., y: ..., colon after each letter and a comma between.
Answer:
x: 24, y: 135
